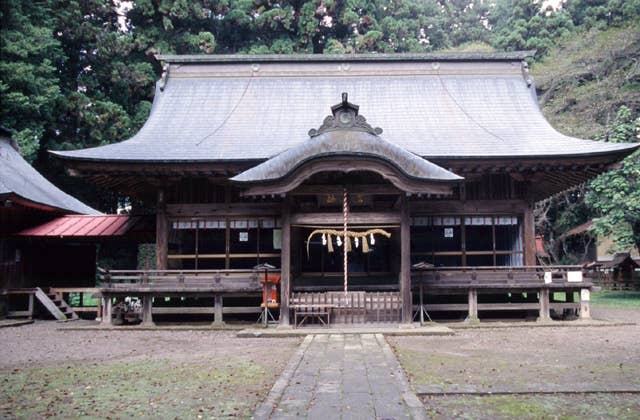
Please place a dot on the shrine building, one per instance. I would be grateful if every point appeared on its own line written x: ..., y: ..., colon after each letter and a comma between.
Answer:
x: 371, y: 187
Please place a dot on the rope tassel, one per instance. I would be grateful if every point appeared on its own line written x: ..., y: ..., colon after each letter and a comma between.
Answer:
x: 339, y: 234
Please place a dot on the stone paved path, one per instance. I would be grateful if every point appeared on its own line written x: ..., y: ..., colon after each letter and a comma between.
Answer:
x: 348, y: 376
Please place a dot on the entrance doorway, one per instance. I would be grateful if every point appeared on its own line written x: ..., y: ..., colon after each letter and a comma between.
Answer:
x: 318, y: 266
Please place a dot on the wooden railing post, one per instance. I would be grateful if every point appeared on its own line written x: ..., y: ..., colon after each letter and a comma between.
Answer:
x: 545, y: 314
x: 473, y: 306
x: 585, y: 309
x: 217, y: 311
x: 147, y: 310
x: 107, y: 310
x: 30, y: 310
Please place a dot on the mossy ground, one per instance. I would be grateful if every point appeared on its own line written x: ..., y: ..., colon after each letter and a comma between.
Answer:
x: 552, y: 406
x: 204, y: 388
x: 48, y: 372
x: 530, y: 373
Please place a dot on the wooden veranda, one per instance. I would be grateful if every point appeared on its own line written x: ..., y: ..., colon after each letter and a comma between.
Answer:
x: 494, y: 289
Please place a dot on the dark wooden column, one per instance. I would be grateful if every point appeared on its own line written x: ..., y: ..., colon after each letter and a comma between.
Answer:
x: 285, y: 263
x: 529, y: 229
x: 162, y: 232
x: 405, y: 260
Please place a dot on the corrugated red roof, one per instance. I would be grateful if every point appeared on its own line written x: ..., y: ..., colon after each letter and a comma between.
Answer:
x: 85, y: 226
x: 578, y: 229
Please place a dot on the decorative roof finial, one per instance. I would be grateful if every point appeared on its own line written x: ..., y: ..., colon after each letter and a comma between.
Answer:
x: 345, y: 117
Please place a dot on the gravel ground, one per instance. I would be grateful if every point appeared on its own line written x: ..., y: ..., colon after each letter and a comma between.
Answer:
x: 616, y: 314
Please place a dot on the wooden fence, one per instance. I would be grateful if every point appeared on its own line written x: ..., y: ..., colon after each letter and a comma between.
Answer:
x: 354, y: 308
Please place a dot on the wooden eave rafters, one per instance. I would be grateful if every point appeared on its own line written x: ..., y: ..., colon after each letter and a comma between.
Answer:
x: 549, y: 176
x: 16, y: 199
x: 140, y: 178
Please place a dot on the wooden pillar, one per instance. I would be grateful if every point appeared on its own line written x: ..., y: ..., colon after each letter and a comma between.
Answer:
x: 529, y: 233
x: 162, y: 232
x: 473, y: 306
x: 217, y: 310
x: 285, y: 263
x: 147, y: 310
x: 107, y: 310
x: 568, y: 296
x: 99, y: 309
x: 405, y: 261
x: 585, y: 309
x: 30, y: 310
x: 545, y: 313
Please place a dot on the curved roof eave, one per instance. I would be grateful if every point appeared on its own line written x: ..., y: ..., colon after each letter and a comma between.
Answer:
x: 20, y: 179
x: 346, y: 144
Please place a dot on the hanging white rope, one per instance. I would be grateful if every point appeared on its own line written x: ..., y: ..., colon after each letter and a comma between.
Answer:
x: 345, y: 218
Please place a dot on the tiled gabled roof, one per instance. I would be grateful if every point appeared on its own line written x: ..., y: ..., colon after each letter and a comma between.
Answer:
x: 248, y: 108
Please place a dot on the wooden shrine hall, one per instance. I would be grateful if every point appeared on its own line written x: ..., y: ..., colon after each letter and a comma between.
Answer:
x: 372, y: 188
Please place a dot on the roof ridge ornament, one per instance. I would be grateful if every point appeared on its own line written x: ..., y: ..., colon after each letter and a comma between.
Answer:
x: 345, y: 117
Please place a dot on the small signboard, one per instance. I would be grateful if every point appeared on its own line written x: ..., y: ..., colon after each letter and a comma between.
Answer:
x: 547, y: 277
x: 574, y: 276
x: 244, y: 236
x: 585, y: 295
x: 448, y: 232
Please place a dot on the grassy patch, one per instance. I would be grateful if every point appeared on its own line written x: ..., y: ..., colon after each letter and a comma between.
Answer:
x: 562, y: 296
x: 613, y: 299
x: 159, y: 388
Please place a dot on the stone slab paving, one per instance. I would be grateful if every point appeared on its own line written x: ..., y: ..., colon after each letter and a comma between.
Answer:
x: 347, y: 376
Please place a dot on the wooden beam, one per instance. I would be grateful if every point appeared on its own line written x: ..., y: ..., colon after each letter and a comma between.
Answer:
x: 244, y: 209
x: 468, y: 207
x: 336, y: 218
x: 368, y: 189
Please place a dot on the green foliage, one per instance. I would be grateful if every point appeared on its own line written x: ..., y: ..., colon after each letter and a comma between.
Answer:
x: 583, y: 81
x: 29, y: 83
x: 522, y: 25
x: 603, y: 13
x: 260, y: 26
x: 146, y: 257
x: 615, y: 195
x: 71, y: 76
